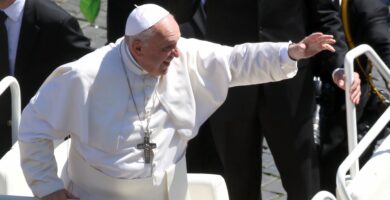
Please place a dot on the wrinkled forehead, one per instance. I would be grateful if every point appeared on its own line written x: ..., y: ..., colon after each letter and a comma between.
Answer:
x: 167, y: 27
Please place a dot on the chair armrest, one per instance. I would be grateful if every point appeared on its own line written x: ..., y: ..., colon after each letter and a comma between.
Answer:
x: 12, y: 181
x: 207, y: 187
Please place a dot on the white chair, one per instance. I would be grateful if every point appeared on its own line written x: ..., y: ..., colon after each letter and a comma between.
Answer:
x: 13, y: 186
x: 373, y: 180
x: 207, y: 187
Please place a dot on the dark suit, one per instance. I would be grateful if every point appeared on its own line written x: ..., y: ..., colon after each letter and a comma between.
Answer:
x: 367, y: 20
x: 49, y: 37
x: 282, y: 111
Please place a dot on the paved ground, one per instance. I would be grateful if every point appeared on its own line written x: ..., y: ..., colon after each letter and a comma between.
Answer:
x: 271, y: 186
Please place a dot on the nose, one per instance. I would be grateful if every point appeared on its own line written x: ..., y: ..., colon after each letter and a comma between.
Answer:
x: 175, y: 52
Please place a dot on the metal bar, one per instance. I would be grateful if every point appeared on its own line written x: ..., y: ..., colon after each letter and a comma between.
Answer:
x: 10, y: 81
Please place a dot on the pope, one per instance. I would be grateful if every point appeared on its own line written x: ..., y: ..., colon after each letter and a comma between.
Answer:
x: 131, y: 107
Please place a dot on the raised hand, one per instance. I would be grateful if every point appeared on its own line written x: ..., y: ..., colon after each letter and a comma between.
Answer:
x: 311, y: 45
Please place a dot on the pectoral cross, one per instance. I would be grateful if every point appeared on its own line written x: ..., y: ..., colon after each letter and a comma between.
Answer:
x: 148, y: 148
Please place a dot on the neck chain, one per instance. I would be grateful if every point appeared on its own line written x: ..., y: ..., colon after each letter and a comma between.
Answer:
x: 146, y: 146
x: 147, y: 115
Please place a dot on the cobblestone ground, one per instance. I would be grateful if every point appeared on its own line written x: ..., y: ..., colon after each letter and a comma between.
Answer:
x: 271, y: 185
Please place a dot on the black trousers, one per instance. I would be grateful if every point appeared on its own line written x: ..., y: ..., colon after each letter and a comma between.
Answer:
x: 281, y: 112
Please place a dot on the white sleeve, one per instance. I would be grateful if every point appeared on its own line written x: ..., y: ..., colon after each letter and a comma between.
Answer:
x: 40, y: 167
x: 213, y: 68
x: 255, y: 63
x: 57, y: 109
x: 244, y: 64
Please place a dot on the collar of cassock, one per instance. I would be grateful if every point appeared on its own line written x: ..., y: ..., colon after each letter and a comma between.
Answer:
x: 129, y: 60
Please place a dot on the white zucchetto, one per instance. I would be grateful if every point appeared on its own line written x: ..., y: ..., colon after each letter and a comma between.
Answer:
x: 143, y: 17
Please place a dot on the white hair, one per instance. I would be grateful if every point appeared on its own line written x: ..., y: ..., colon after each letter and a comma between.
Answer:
x: 143, y: 36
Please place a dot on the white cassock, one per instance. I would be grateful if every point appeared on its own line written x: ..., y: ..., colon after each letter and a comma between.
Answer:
x: 90, y: 99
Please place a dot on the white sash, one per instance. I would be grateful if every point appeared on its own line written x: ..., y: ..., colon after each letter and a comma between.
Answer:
x: 90, y: 184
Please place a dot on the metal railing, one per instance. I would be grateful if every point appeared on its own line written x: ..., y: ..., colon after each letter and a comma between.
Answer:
x: 356, y: 150
x: 11, y: 82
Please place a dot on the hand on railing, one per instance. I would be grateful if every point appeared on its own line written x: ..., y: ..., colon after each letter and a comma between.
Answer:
x: 355, y: 90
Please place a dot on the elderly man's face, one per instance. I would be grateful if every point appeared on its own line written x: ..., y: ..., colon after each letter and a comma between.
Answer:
x: 160, y: 49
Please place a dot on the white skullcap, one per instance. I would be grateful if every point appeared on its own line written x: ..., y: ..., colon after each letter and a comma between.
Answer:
x: 144, y: 17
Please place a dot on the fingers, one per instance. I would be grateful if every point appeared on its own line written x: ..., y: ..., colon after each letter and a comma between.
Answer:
x: 355, y: 95
x: 339, y: 79
x: 328, y: 47
x: 325, y: 37
x: 341, y: 84
x: 325, y: 42
x: 318, y: 42
x: 355, y: 89
x: 319, y: 37
x: 313, y: 37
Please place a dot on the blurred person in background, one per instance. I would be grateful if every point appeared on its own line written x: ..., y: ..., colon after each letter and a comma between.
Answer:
x: 281, y: 112
x: 364, y: 23
x: 38, y: 36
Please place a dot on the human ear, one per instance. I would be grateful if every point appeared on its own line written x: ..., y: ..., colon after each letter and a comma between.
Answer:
x: 136, y: 48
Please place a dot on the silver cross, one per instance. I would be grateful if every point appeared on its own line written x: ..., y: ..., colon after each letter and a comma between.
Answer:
x: 148, y: 148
